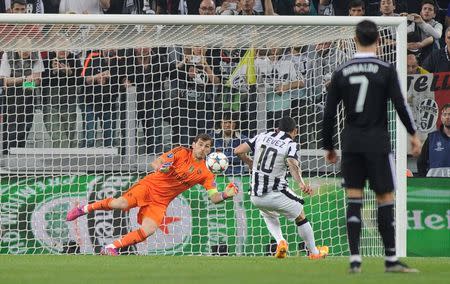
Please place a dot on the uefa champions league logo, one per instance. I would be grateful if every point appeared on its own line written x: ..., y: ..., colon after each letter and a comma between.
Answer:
x: 90, y: 233
x: 439, y: 147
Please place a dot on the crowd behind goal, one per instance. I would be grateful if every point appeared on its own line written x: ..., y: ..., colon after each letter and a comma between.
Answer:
x: 185, y: 90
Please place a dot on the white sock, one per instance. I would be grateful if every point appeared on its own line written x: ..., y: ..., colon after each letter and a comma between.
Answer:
x: 391, y: 258
x: 355, y: 257
x: 110, y: 246
x: 85, y: 209
x: 306, y: 233
x: 273, y: 225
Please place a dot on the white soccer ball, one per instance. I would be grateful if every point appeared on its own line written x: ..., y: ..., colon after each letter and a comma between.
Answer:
x: 217, y: 162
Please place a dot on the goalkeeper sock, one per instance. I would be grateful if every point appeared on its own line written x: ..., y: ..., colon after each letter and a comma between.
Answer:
x: 273, y: 225
x: 99, y: 205
x: 354, y: 224
x: 306, y: 233
x: 386, y: 227
x: 130, y: 239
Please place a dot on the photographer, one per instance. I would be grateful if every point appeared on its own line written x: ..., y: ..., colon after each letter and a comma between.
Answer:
x: 423, y: 31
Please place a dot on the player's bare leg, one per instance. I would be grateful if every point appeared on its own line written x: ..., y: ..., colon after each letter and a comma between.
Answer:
x: 147, y: 229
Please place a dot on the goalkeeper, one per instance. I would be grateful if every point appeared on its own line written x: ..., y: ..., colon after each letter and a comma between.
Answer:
x: 175, y: 172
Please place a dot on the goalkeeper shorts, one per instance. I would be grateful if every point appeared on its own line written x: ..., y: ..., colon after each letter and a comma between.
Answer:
x: 139, y: 196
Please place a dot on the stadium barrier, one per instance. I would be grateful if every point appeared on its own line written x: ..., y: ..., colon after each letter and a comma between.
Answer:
x: 33, y: 219
x: 428, y: 217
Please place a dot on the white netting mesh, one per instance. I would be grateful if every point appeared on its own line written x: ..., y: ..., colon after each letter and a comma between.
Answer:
x: 87, y: 107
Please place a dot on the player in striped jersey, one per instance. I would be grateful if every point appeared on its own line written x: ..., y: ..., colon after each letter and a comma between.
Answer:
x: 275, y: 153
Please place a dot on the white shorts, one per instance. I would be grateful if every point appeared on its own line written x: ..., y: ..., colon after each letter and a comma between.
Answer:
x: 276, y: 203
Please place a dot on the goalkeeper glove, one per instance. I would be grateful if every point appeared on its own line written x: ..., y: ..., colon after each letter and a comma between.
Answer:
x: 230, y: 191
x: 165, y: 167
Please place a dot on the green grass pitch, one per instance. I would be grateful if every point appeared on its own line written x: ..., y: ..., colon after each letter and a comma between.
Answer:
x: 50, y: 269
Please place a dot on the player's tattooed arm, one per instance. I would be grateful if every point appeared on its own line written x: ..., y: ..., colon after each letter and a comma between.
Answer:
x: 241, y: 151
x: 296, y: 172
x: 246, y: 159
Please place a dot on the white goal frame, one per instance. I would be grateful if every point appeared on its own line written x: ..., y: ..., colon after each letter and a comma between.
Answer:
x: 399, y: 23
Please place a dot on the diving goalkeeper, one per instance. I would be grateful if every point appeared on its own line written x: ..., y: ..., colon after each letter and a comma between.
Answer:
x: 175, y: 172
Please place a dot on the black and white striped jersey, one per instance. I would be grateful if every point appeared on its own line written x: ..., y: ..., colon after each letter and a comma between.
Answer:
x: 270, y: 150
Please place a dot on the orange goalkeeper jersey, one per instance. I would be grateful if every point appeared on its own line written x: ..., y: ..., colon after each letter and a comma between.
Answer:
x: 184, y: 173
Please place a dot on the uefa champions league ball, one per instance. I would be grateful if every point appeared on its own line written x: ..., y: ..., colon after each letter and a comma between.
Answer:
x: 217, y: 162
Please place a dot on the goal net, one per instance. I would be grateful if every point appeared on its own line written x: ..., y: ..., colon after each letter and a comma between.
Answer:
x: 89, y: 101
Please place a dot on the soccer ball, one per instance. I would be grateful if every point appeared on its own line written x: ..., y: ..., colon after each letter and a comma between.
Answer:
x: 217, y: 162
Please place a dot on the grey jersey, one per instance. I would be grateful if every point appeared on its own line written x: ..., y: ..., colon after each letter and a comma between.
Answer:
x: 269, y: 170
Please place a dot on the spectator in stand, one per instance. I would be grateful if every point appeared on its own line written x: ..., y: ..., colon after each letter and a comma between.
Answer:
x: 264, y: 7
x: 387, y: 8
x: 193, y: 84
x: 436, y: 149
x: 146, y: 70
x: 423, y: 31
x: 18, y: 6
x: 306, y: 8
x: 227, y: 137
x: 247, y: 8
x: 323, y: 60
x: 26, y: 6
x: 129, y: 7
x: 103, y: 74
x: 21, y: 72
x: 228, y: 7
x: 60, y: 92
x: 356, y: 8
x: 326, y: 8
x: 280, y: 80
x: 300, y: 109
x: 371, y: 7
x: 387, y: 35
x: 207, y: 8
x: 228, y: 96
x: 174, y: 7
x: 413, y: 65
x: 439, y: 60
x: 83, y: 6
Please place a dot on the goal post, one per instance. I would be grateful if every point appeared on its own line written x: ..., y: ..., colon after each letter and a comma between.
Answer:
x: 201, y: 69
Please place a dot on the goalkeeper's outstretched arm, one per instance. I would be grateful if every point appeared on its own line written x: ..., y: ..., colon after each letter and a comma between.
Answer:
x: 217, y: 197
